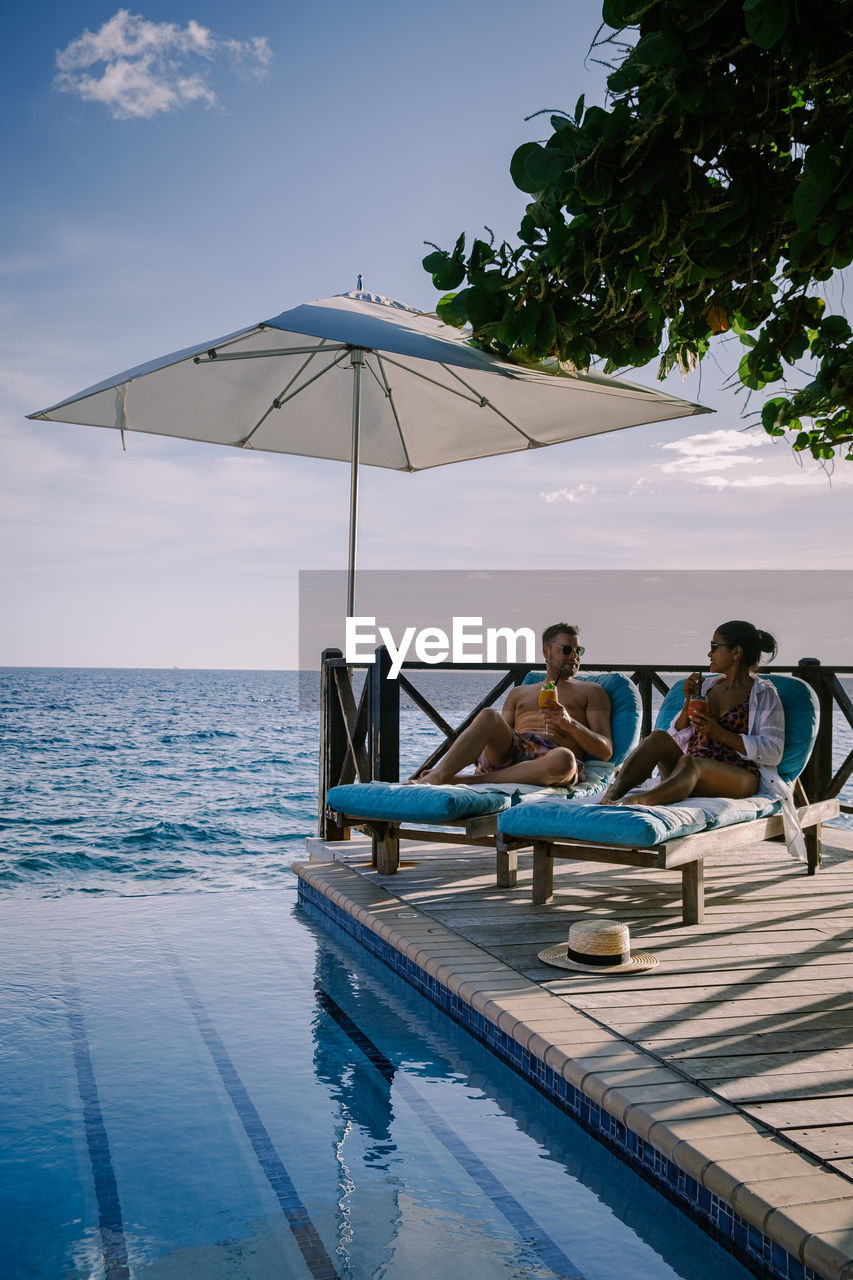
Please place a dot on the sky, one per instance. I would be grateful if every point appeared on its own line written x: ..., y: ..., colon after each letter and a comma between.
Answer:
x: 182, y: 171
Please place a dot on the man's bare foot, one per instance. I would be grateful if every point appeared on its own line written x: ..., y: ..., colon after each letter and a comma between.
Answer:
x: 434, y: 777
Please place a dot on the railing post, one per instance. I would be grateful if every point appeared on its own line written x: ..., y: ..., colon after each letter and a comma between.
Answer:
x: 384, y: 731
x: 642, y: 678
x: 333, y: 745
x: 817, y: 774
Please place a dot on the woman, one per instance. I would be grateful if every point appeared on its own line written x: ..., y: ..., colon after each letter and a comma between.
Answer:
x: 730, y: 748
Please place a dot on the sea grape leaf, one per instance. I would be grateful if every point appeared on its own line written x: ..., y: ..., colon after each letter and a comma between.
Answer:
x: 766, y: 21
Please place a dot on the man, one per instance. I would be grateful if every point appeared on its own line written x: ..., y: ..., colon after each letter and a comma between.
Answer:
x: 528, y: 743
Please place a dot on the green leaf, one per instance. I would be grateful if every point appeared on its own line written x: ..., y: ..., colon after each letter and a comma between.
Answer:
x: 773, y: 415
x: 528, y: 230
x: 748, y: 376
x: 446, y: 311
x: 766, y: 21
x: 621, y: 13
x: 480, y: 306
x: 595, y: 122
x: 821, y: 164
x: 507, y: 330
x: 546, y: 330
x: 652, y: 50
x: 534, y: 167
x: 579, y: 106
x: 597, y: 186
x: 517, y: 168
x: 528, y: 321
x: 703, y: 13
x: 481, y: 255
x: 624, y: 78
x: 450, y: 274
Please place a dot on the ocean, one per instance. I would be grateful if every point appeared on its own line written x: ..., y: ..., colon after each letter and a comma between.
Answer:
x: 131, y: 782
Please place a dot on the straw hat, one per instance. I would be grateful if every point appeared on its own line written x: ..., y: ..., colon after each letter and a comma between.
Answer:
x: 597, y: 946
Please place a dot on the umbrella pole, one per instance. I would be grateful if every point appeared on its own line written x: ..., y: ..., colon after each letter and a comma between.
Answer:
x: 357, y: 354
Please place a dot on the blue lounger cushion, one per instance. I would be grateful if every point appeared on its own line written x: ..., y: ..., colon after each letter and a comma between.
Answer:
x: 552, y: 820
x: 399, y: 802
x: 435, y: 806
x: 631, y: 825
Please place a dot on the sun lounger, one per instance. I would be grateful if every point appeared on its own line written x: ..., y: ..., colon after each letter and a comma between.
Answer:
x: 676, y: 836
x: 391, y: 810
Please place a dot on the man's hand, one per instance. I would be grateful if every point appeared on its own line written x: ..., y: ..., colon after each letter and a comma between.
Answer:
x: 558, y: 722
x: 592, y: 739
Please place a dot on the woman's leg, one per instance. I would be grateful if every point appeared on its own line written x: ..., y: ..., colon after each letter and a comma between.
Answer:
x: 658, y: 750
x: 696, y: 777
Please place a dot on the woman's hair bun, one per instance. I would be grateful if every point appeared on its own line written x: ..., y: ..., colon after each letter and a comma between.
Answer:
x: 752, y: 641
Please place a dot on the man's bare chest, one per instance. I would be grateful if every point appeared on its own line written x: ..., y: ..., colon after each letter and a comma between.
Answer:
x: 575, y: 704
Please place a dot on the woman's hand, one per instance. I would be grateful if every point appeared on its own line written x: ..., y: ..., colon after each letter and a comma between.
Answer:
x: 693, y: 685
x: 705, y: 724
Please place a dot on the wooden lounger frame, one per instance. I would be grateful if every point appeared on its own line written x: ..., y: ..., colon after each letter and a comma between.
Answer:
x: 386, y: 836
x: 686, y: 853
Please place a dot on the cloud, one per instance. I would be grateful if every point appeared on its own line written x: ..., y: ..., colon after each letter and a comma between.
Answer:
x: 712, y: 451
x: 580, y: 493
x: 814, y: 476
x: 151, y: 67
x: 715, y: 442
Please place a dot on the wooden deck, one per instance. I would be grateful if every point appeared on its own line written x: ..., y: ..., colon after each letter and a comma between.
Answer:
x: 751, y: 1010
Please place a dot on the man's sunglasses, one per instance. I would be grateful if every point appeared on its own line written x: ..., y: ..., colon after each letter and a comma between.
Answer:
x: 573, y: 648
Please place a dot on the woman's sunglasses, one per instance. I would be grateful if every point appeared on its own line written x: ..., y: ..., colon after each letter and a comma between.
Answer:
x: 717, y: 644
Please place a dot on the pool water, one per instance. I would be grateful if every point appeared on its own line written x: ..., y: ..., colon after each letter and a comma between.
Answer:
x: 225, y: 1085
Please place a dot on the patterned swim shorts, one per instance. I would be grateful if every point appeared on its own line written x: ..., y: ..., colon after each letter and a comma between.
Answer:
x: 524, y: 746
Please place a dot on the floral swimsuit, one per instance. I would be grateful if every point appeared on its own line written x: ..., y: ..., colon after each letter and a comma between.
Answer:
x: 736, y: 721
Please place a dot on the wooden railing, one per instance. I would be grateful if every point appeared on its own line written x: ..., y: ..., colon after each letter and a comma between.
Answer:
x: 360, y: 737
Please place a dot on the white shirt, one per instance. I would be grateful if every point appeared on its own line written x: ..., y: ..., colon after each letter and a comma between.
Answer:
x: 764, y: 743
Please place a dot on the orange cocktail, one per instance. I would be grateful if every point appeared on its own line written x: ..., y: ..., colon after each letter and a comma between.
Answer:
x: 548, y: 693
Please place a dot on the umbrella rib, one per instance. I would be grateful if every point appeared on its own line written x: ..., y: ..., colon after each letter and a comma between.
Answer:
x: 212, y: 354
x: 386, y: 387
x: 278, y: 399
x: 487, y: 404
x: 281, y: 399
x: 473, y: 398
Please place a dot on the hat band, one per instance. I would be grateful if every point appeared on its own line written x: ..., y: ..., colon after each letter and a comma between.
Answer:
x: 583, y: 957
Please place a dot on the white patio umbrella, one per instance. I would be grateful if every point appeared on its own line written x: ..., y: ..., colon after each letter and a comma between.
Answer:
x: 363, y: 379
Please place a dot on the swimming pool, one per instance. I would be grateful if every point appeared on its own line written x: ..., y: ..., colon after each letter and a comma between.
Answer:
x: 223, y: 1085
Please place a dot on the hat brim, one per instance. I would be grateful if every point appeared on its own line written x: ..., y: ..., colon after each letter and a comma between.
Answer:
x: 557, y: 956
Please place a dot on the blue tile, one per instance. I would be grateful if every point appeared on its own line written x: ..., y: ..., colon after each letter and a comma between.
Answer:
x: 745, y: 1240
x: 779, y: 1257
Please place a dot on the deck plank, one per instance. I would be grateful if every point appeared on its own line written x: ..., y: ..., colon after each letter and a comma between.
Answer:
x: 755, y: 1004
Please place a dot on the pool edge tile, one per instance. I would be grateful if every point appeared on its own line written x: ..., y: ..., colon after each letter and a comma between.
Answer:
x: 555, y: 1075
